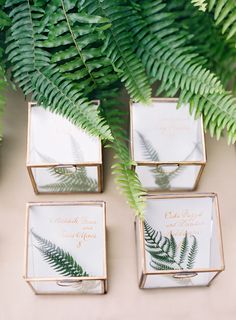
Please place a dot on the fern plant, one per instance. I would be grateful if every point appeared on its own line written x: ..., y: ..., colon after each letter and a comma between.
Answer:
x: 58, y: 259
x: 164, y: 251
x: 68, y: 52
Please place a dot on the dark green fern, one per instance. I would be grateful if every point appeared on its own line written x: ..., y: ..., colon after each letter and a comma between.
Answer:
x: 118, y: 46
x: 34, y: 72
x: 163, y: 250
x: 58, y: 259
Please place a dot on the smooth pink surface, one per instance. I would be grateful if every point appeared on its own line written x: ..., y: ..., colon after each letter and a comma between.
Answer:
x: 124, y: 300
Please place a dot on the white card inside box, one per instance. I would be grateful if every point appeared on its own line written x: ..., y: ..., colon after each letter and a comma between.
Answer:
x: 181, y: 241
x: 58, y: 233
x: 167, y: 144
x: 174, y: 134
x: 61, y: 157
x: 54, y: 139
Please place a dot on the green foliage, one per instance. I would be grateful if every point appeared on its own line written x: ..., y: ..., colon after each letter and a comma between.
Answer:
x: 75, y: 40
x: 60, y: 260
x: 118, y: 46
x: 126, y: 178
x: 224, y: 15
x: 207, y: 40
x: 67, y: 52
x: 163, y: 250
x: 34, y: 73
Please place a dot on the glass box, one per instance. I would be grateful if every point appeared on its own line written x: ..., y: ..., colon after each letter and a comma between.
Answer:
x: 65, y: 248
x: 61, y: 158
x: 167, y: 145
x: 179, y: 242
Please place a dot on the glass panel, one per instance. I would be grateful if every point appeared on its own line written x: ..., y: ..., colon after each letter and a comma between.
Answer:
x: 66, y: 241
x: 54, y: 139
x: 161, y: 133
x: 181, y: 234
x: 66, y: 179
x: 67, y: 287
x: 170, y: 281
x: 168, y: 177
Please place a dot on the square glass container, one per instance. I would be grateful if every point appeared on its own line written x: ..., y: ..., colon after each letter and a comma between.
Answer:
x: 179, y: 242
x: 65, y: 247
x: 167, y: 145
x: 61, y: 158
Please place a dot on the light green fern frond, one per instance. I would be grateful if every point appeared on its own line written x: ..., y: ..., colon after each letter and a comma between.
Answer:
x: 33, y: 72
x: 201, y: 4
x: 126, y: 179
x: 60, y: 260
x: 163, y: 251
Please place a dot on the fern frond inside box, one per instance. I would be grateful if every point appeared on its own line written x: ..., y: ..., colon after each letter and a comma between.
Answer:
x: 61, y: 158
x: 65, y: 247
x: 167, y: 145
x: 179, y: 242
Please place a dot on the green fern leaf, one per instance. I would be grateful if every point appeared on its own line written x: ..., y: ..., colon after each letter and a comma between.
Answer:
x: 58, y: 259
x: 183, y: 249
x: 126, y: 178
x: 173, y: 246
x: 160, y: 249
x: 164, y: 55
x: 192, y: 254
x: 33, y: 72
x: 119, y: 46
x: 75, y: 40
x: 224, y: 15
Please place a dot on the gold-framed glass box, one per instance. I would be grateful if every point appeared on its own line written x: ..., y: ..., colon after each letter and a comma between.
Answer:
x: 65, y: 247
x: 179, y: 242
x: 167, y: 145
x: 61, y: 158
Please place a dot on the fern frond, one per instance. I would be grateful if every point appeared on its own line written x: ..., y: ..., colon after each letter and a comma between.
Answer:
x: 205, y: 38
x: 219, y: 112
x: 60, y: 260
x: 126, y: 179
x: 173, y: 246
x: 77, y: 181
x: 164, y: 55
x: 33, y: 72
x: 201, y: 4
x: 224, y: 15
x: 119, y: 46
x: 183, y: 249
x: 192, y: 254
x: 160, y: 248
x: 75, y: 40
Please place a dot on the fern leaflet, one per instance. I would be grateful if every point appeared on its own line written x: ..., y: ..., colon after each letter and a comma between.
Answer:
x: 61, y: 261
x: 163, y: 250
